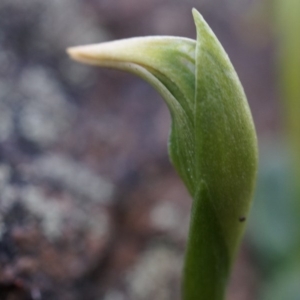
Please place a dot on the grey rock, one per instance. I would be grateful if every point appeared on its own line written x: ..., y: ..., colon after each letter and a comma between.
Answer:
x: 46, y: 114
x: 73, y: 176
x: 155, y: 275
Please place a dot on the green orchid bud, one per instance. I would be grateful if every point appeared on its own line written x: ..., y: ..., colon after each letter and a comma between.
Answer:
x: 212, y: 141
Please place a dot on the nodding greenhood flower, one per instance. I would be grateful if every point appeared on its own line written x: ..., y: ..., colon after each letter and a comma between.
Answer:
x: 212, y: 142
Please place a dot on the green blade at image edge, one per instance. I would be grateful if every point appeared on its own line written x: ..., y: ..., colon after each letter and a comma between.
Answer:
x: 212, y: 142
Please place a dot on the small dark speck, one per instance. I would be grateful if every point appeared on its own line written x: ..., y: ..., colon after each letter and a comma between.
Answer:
x: 242, y: 219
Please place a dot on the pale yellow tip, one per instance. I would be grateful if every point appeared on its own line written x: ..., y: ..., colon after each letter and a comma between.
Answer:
x: 94, y: 54
x: 77, y: 53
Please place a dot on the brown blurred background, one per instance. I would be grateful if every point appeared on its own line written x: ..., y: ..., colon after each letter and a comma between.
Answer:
x: 90, y: 207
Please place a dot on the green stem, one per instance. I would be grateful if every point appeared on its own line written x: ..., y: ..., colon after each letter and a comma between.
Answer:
x: 207, y: 259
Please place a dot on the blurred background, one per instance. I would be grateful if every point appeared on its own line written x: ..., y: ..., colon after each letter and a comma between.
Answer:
x: 90, y: 207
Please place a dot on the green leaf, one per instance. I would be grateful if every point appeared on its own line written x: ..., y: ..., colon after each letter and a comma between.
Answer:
x: 212, y: 142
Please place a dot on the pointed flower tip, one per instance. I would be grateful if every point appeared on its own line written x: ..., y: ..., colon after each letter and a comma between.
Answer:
x: 201, y: 24
x: 196, y: 15
x: 72, y: 52
x: 104, y: 54
x: 194, y: 11
x: 93, y: 54
x: 80, y: 53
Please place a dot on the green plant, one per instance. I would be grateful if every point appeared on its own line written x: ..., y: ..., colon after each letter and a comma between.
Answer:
x: 212, y: 142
